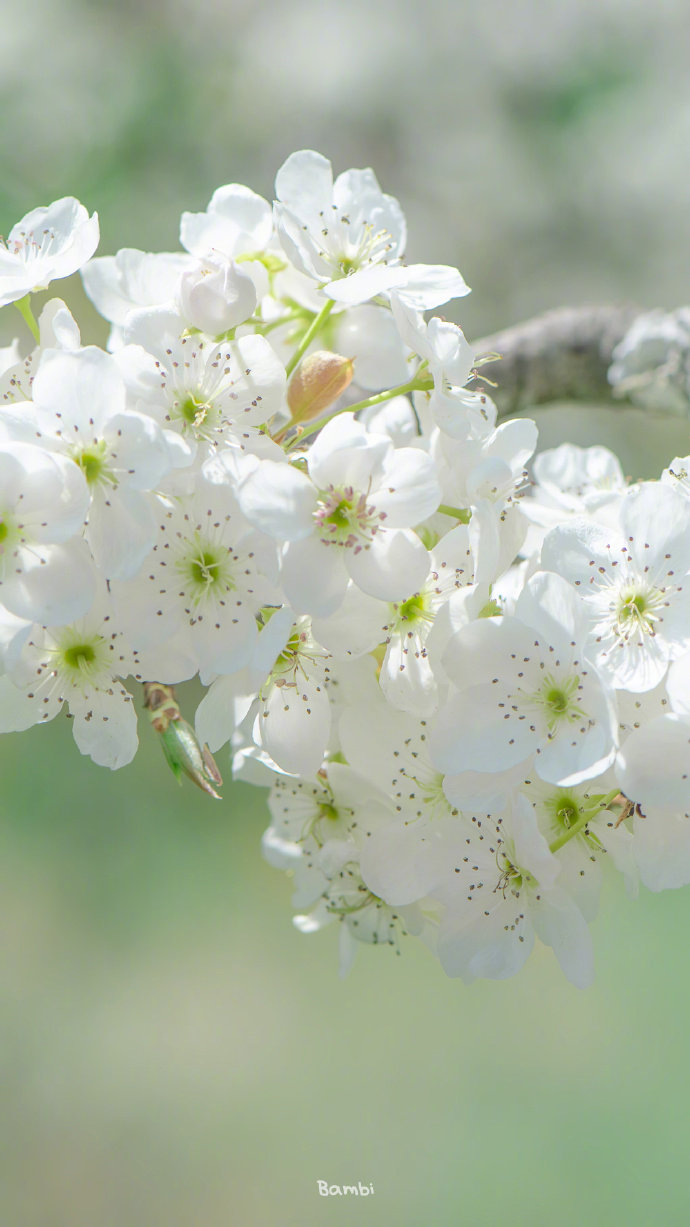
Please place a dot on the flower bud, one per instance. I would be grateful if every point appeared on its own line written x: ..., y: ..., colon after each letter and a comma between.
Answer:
x: 182, y: 750
x: 216, y: 295
x: 318, y: 381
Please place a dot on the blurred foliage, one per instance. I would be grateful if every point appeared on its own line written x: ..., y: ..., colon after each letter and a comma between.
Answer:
x: 173, y: 1051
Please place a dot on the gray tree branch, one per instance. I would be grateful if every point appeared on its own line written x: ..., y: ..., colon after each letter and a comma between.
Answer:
x: 561, y: 355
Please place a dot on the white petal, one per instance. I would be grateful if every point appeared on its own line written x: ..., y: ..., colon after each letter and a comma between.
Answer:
x: 222, y: 709
x: 549, y: 604
x: 394, y: 565
x: 471, y: 734
x: 305, y: 180
x: 661, y: 847
x: 294, y: 726
x: 678, y: 685
x: 120, y: 532
x: 561, y: 925
x: 105, y: 727
x: 56, y: 584
x: 279, y: 500
x: 20, y: 710
x: 653, y: 765
x: 477, y: 944
x: 313, y: 576
x: 431, y: 285
x: 353, y: 629
x: 409, y: 489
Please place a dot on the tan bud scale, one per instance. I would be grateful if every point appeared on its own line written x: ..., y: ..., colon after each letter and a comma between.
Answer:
x: 318, y: 381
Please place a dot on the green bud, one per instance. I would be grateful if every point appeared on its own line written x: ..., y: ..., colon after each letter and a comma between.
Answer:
x: 179, y: 741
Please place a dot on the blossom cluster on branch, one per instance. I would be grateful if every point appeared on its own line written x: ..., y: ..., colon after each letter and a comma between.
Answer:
x: 467, y: 689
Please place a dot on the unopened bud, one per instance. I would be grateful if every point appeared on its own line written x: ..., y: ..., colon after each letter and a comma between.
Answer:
x: 180, y: 745
x: 216, y: 295
x: 318, y: 381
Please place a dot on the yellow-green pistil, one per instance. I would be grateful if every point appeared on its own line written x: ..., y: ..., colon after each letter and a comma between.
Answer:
x: 79, y: 655
x: 556, y: 699
x: 637, y: 610
x: 93, y: 464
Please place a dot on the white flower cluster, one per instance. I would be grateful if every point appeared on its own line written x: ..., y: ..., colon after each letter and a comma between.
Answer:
x: 285, y: 480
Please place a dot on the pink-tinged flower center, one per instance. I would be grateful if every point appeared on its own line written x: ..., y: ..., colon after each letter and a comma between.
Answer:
x: 30, y: 246
x: 345, y: 519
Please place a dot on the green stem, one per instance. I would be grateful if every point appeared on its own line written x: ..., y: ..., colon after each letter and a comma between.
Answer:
x: 263, y: 328
x: 463, y: 514
x: 23, y: 306
x: 315, y: 326
x: 585, y: 817
x: 378, y: 399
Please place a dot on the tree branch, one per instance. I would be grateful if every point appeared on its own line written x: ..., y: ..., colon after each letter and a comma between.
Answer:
x: 561, y: 355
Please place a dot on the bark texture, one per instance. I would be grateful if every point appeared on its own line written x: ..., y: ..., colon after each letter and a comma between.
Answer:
x: 563, y: 355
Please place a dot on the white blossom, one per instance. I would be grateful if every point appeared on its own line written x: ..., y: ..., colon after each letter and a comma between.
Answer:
x: 47, y: 244
x: 523, y: 687
x: 350, y: 237
x: 634, y: 580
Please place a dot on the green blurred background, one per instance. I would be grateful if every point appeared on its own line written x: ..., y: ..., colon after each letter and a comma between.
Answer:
x: 173, y: 1052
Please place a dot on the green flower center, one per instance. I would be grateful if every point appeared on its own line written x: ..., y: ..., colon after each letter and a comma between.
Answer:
x: 290, y: 652
x: 93, y: 464
x: 564, y: 810
x: 557, y: 701
x: 205, y: 569
x: 636, y: 609
x: 632, y: 607
x: 193, y: 411
x: 4, y: 531
x: 340, y: 516
x: 512, y: 877
x: 413, y: 609
x: 79, y: 655
x: 81, y: 660
x: 326, y: 810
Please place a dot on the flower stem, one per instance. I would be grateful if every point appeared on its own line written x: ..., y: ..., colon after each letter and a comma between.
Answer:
x: 378, y: 399
x: 463, y: 514
x: 23, y: 306
x: 586, y: 816
x: 315, y: 326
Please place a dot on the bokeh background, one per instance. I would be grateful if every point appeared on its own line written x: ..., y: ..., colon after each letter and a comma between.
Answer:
x: 173, y: 1052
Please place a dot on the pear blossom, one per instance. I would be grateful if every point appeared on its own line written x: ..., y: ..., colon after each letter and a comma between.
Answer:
x: 215, y: 295
x: 633, y: 578
x: 573, y: 481
x: 287, y: 708
x: 456, y: 409
x: 677, y: 475
x: 46, y: 571
x: 405, y: 628
x: 467, y: 699
x: 351, y: 237
x: 237, y: 222
x: 351, y: 515
x: 407, y: 838
x: 523, y: 687
x: 58, y: 329
x: 132, y: 280
x: 502, y: 889
x: 205, y: 390
x: 48, y: 243
x: 79, y: 410
x: 653, y: 769
x: 80, y: 664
